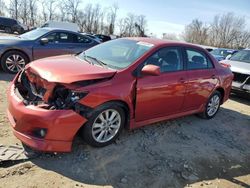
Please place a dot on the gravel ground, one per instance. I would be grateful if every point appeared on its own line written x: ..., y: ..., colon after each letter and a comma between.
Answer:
x: 185, y: 152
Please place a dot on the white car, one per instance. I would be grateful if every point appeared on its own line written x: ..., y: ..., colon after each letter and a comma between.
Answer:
x: 239, y: 64
x: 62, y: 25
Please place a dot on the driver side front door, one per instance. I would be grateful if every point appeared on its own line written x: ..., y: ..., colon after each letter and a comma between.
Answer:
x: 163, y: 95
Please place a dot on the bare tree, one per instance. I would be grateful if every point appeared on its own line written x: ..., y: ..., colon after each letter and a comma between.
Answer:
x: 13, y: 8
x: 71, y: 8
x: 49, y: 9
x: 132, y: 25
x: 24, y: 11
x: 111, y: 18
x: 2, y: 8
x: 141, y: 25
x: 169, y: 36
x: 33, y: 12
x: 196, y: 32
x: 226, y: 29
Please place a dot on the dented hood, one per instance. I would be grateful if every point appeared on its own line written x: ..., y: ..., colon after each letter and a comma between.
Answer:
x: 68, y: 69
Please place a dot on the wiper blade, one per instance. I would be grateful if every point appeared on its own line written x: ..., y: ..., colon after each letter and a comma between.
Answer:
x: 96, y: 60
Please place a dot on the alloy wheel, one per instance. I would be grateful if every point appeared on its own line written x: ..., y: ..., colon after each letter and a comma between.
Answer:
x: 106, y: 125
x: 15, y: 63
x: 213, y: 105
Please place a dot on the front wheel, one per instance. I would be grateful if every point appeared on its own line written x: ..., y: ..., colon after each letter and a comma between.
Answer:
x: 104, y: 126
x: 212, y: 106
x: 13, y: 61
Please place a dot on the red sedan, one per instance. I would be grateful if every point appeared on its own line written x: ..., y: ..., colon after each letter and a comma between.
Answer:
x: 124, y: 83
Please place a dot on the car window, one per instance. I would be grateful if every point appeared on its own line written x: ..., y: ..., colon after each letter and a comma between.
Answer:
x: 83, y: 39
x: 243, y: 56
x: 52, y: 37
x: 197, y: 60
x: 168, y: 59
x: 60, y: 37
x: 65, y: 38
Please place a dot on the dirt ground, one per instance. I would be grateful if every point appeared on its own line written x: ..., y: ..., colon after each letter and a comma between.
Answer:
x: 186, y: 152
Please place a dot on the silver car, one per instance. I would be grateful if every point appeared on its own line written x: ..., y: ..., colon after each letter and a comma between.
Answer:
x: 239, y: 63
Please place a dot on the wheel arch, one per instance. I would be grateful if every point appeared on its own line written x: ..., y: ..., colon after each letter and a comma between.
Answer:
x: 16, y: 49
x: 222, y: 92
x: 121, y: 104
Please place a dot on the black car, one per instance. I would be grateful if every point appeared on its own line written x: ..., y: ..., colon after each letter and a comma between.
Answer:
x: 17, y: 51
x: 103, y: 38
x: 10, y: 25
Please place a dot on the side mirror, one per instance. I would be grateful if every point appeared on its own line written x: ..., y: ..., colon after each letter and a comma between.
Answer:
x: 152, y: 70
x: 44, y: 41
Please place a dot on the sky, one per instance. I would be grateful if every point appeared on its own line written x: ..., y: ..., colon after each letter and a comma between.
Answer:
x: 171, y: 16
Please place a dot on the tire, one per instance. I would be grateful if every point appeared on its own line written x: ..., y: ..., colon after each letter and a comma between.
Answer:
x: 8, y: 59
x: 207, y: 114
x: 7, y: 30
x: 95, y: 126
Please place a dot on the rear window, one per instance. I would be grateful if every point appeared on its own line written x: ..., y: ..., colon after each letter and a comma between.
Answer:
x: 197, y: 60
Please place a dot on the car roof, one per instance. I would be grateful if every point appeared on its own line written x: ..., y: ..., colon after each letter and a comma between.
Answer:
x: 2, y: 17
x: 57, y: 29
x: 159, y: 42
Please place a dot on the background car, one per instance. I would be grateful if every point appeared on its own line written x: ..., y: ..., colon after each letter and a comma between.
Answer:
x: 92, y: 36
x: 123, y: 83
x: 62, y: 25
x: 222, y: 53
x: 17, y: 51
x: 239, y: 63
x: 104, y: 38
x: 10, y: 25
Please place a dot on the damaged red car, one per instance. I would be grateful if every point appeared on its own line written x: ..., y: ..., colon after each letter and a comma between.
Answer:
x: 124, y: 83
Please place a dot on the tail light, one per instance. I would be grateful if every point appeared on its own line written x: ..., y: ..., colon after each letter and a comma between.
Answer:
x: 225, y: 65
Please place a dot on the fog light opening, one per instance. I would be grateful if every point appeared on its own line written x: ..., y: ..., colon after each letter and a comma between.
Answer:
x: 40, y: 132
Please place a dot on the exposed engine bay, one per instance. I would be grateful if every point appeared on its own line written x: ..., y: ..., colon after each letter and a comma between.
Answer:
x: 33, y: 90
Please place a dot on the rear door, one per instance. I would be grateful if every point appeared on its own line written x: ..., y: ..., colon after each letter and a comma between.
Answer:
x: 158, y: 96
x: 201, y: 76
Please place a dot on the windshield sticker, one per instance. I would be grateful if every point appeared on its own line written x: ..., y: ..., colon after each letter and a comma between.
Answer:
x: 145, y: 44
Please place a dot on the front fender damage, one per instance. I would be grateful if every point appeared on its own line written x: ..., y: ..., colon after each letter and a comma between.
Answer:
x: 34, y: 90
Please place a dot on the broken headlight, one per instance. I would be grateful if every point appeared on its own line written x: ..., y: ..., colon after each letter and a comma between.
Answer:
x: 75, y: 96
x: 66, y: 99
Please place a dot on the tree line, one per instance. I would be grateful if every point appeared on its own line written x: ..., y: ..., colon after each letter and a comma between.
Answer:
x: 91, y: 18
x: 226, y: 30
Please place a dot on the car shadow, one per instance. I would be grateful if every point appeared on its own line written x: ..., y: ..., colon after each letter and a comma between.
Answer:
x: 243, y: 98
x: 169, y: 154
x: 6, y: 77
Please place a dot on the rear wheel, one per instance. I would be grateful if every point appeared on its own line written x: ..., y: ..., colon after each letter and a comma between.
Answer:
x: 13, y: 61
x: 212, y: 106
x: 104, y: 126
x: 7, y: 30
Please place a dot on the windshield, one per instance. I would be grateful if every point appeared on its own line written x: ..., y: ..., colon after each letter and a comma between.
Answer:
x: 243, y: 56
x: 118, y: 53
x: 220, y: 52
x: 34, y: 34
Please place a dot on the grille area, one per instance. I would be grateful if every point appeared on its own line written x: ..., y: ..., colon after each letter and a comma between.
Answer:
x: 238, y: 77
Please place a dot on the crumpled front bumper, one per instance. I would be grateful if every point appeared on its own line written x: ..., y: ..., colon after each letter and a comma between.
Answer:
x: 61, y: 125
